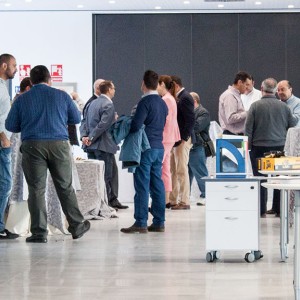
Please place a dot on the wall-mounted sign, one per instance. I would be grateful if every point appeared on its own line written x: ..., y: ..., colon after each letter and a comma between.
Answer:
x: 24, y: 71
x: 57, y: 73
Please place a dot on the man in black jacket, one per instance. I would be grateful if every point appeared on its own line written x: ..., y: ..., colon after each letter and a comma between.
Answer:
x: 179, y: 197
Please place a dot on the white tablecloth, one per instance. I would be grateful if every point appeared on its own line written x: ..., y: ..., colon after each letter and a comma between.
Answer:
x: 92, y: 198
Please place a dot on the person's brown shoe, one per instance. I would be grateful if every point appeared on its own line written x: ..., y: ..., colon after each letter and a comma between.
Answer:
x: 153, y: 228
x: 181, y: 207
x: 134, y: 229
x: 270, y: 212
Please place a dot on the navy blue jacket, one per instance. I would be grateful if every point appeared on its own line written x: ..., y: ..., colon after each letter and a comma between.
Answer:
x: 151, y: 111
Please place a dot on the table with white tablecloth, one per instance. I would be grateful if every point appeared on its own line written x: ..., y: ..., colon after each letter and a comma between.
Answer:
x: 91, y: 195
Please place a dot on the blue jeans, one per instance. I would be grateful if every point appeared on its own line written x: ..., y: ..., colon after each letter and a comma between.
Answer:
x: 197, y: 168
x: 5, y: 182
x: 147, y: 179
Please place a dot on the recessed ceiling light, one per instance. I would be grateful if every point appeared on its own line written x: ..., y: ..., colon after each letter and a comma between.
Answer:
x: 80, y: 6
x: 157, y: 7
x: 186, y: 2
x: 220, y: 5
x: 28, y: 1
x: 7, y: 4
x: 112, y: 2
x: 257, y: 3
x: 291, y: 6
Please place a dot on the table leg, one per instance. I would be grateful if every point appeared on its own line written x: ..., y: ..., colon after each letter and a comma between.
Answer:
x: 283, y: 225
x: 296, y: 250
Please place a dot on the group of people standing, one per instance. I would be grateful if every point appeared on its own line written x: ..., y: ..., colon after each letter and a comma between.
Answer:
x: 173, y: 121
x: 46, y: 118
x: 264, y: 116
x: 167, y: 114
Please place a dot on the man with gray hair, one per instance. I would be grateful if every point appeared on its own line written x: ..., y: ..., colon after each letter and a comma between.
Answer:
x: 96, y: 94
x: 267, y: 123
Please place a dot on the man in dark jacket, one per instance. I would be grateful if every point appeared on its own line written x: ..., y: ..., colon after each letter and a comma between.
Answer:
x: 267, y: 124
x: 180, y: 195
x: 197, y: 159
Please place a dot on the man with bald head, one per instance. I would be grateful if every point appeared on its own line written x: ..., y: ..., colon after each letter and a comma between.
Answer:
x: 285, y: 93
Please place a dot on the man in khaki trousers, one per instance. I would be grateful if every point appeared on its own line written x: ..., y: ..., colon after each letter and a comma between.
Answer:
x: 179, y: 197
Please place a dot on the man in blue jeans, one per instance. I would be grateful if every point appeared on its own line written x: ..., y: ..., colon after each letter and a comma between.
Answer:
x: 8, y: 69
x: 197, y: 158
x: 151, y: 112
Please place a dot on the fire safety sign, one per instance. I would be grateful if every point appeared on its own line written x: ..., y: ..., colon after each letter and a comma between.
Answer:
x: 24, y: 71
x: 57, y: 73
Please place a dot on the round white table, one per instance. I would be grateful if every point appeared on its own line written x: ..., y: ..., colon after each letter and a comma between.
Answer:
x: 290, y: 182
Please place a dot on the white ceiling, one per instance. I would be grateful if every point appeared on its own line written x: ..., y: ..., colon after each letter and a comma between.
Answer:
x: 151, y: 5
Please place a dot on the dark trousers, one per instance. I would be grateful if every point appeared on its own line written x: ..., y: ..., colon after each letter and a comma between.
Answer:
x: 110, y: 173
x: 257, y: 152
x: 38, y: 157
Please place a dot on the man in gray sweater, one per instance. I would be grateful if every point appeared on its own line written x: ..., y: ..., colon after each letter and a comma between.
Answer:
x: 267, y: 124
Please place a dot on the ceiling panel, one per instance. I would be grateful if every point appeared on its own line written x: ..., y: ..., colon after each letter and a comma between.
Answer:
x: 151, y: 5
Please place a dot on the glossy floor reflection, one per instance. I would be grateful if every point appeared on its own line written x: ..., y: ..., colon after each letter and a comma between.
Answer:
x: 108, y: 264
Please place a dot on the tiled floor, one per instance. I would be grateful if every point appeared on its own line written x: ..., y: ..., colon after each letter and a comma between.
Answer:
x: 107, y: 264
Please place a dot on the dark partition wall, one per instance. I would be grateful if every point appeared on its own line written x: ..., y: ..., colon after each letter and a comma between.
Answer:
x: 205, y: 50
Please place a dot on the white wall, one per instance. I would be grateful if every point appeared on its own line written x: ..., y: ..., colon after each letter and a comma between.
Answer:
x: 45, y: 38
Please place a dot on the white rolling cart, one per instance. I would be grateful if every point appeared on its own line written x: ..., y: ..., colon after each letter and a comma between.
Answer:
x: 233, y: 216
x: 291, y: 182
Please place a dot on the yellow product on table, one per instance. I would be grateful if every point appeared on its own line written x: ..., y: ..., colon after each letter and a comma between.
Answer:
x: 279, y: 163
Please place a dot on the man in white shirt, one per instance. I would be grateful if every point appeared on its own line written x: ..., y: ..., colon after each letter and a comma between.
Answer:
x: 251, y: 95
x: 8, y: 69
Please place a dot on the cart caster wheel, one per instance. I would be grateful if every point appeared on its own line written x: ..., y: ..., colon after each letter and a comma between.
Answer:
x: 258, y: 255
x: 249, y: 257
x: 209, y: 257
x: 217, y: 254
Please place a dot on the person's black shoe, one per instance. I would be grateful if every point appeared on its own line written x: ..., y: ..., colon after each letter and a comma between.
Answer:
x: 36, y: 239
x: 81, y: 230
x: 5, y: 234
x: 153, y: 228
x: 134, y: 229
x: 270, y: 212
x: 117, y: 205
x: 169, y: 205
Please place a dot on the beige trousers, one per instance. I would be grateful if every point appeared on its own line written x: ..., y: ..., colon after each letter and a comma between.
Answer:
x: 180, y: 175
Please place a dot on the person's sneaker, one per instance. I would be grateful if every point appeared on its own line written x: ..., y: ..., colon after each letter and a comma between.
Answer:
x: 153, y: 228
x: 5, y: 234
x: 83, y: 228
x: 134, y: 229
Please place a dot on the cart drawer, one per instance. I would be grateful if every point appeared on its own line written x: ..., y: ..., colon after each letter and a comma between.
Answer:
x: 235, y: 230
x: 232, y: 196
